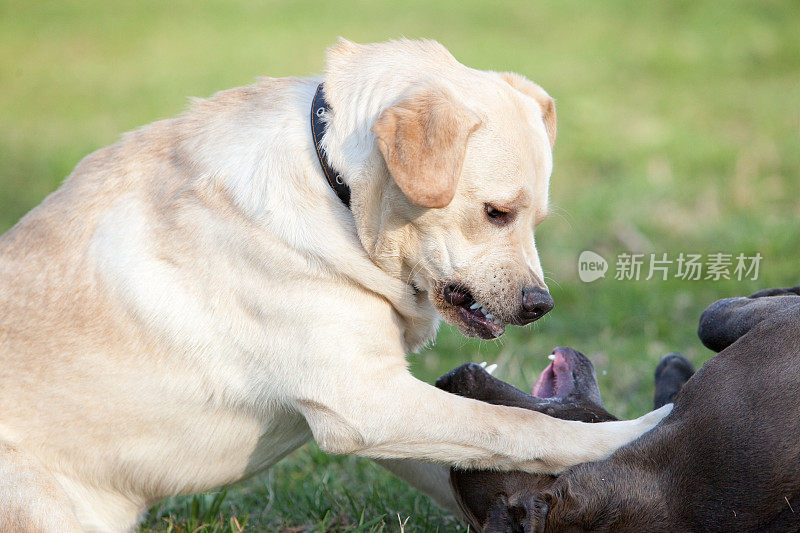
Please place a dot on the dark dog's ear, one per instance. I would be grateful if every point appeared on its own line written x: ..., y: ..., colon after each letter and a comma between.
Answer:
x: 518, y: 514
x: 482, y: 495
x: 724, y: 321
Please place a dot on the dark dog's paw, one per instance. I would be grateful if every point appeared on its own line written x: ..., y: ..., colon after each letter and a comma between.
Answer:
x: 467, y: 380
x: 671, y: 373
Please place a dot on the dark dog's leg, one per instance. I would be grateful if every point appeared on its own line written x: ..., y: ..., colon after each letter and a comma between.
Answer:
x: 725, y: 321
x: 472, y: 381
x: 671, y: 373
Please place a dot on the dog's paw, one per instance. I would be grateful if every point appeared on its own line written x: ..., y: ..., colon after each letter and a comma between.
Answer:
x: 653, y: 418
x: 671, y: 373
x: 467, y: 379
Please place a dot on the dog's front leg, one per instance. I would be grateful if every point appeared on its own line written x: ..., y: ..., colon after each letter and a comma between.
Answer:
x: 388, y: 414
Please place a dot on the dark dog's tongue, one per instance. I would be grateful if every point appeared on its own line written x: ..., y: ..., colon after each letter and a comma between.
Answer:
x: 555, y: 381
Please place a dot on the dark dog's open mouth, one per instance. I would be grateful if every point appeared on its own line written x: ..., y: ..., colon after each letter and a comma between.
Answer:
x: 557, y: 380
x: 472, y: 312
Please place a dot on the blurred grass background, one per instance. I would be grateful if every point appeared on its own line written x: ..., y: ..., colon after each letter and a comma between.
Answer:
x: 678, y: 127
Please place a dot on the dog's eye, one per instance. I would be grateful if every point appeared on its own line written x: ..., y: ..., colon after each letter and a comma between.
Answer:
x: 498, y: 216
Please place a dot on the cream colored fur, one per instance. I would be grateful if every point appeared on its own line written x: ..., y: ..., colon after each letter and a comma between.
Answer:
x: 194, y: 302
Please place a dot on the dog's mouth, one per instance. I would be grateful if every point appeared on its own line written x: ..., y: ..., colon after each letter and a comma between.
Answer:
x: 557, y: 379
x: 472, y: 313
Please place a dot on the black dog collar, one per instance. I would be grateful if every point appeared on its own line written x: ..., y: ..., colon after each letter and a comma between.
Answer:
x: 319, y: 107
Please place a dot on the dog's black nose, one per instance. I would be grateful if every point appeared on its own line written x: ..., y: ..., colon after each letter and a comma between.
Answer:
x: 536, y: 302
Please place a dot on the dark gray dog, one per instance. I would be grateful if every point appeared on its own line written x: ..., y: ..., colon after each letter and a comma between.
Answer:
x: 726, y: 459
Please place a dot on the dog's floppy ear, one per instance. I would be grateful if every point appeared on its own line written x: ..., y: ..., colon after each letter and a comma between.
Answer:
x: 423, y: 140
x: 546, y: 103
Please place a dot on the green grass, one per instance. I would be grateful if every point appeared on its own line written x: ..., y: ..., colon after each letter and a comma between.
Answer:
x: 679, y: 127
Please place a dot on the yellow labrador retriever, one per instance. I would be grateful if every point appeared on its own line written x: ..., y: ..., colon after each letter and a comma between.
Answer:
x: 195, y: 301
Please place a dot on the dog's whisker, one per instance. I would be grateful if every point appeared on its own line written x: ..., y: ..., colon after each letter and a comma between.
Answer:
x: 550, y: 279
x: 413, y: 272
x: 563, y: 214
